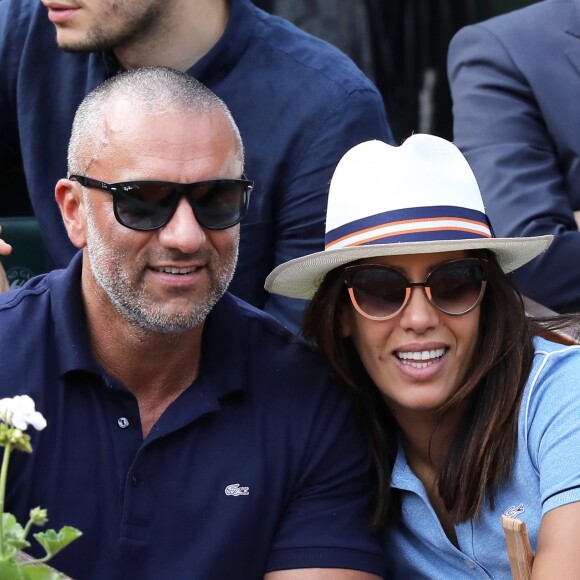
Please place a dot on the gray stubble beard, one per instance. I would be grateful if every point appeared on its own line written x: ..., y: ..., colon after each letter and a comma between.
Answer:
x: 135, y: 306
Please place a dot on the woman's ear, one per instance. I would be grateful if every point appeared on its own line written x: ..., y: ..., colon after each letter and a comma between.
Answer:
x: 71, y: 204
x: 345, y: 321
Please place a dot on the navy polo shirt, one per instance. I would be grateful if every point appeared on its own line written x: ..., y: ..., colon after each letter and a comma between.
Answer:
x: 299, y: 102
x: 257, y: 466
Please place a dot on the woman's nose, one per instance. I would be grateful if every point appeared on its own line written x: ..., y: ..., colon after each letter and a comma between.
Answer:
x: 419, y: 314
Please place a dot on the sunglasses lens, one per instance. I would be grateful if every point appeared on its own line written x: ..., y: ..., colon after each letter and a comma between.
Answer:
x: 457, y: 288
x: 216, y: 204
x: 144, y: 206
x: 378, y: 292
x: 219, y: 204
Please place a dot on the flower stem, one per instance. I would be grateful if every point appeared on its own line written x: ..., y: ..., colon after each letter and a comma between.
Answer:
x: 3, y: 474
x: 27, y: 528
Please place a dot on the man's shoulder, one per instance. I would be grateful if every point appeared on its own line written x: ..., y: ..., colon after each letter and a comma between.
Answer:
x: 36, y: 296
x: 20, y: 8
x: 248, y: 350
x: 16, y: 19
x: 16, y: 301
x: 19, y: 16
x: 538, y: 18
x: 271, y: 345
x: 28, y: 42
x: 260, y: 324
x: 506, y: 39
x: 26, y: 326
x: 300, y: 51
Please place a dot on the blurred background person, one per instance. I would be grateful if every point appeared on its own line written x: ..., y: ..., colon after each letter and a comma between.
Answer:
x: 299, y: 102
x: 515, y: 81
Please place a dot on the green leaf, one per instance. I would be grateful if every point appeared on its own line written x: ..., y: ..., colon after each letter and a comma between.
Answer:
x: 40, y: 572
x: 11, y: 571
x: 13, y: 535
x: 54, y: 542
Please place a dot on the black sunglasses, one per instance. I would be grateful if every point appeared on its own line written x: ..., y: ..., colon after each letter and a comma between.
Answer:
x: 380, y: 292
x: 217, y: 204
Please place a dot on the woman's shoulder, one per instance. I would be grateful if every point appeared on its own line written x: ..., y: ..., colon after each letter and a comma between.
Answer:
x: 547, y: 349
x: 549, y: 419
x: 556, y: 367
x: 553, y: 387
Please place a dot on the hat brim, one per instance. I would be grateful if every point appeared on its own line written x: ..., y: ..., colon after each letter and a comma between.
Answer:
x: 301, y: 277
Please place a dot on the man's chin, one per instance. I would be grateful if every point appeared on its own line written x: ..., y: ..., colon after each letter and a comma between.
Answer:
x: 77, y: 42
x: 69, y: 46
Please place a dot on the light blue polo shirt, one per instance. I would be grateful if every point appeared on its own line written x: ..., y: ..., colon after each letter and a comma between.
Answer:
x: 546, y: 475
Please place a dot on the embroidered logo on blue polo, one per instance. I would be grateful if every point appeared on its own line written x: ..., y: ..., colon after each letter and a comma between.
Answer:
x: 514, y: 511
x: 235, y: 489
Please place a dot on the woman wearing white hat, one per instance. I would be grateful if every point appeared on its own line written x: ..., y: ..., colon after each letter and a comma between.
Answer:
x: 470, y: 414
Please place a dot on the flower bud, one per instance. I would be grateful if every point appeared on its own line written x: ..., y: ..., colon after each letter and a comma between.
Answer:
x: 38, y: 516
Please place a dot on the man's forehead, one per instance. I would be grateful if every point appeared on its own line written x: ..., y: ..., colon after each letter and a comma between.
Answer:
x: 138, y: 140
x: 122, y: 113
x: 175, y: 124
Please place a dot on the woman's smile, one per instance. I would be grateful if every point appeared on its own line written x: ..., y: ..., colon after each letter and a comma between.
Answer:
x: 419, y: 357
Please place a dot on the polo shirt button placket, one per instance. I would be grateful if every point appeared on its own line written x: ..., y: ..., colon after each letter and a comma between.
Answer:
x: 469, y: 564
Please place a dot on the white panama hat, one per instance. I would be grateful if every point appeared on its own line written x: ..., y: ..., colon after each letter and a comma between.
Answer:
x: 419, y: 198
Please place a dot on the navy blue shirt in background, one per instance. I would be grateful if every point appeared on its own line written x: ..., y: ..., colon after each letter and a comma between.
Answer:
x: 257, y: 466
x: 299, y: 102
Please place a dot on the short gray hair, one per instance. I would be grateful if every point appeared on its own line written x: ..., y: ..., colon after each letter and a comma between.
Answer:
x: 159, y: 89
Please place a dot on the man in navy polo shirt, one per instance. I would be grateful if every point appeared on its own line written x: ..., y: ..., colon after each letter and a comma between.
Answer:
x: 299, y: 102
x: 189, y: 435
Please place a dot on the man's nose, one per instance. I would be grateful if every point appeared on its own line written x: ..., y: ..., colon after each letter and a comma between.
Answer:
x: 183, y: 231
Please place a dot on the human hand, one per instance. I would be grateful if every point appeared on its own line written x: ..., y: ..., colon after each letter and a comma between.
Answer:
x: 5, y: 250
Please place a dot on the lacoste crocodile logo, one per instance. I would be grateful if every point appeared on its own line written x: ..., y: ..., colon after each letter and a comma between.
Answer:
x: 235, y: 489
x: 514, y: 511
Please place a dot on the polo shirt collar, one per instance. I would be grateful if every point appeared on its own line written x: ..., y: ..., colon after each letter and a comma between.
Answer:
x: 402, y: 477
x: 224, y: 56
x: 224, y: 350
x: 223, y: 367
x: 223, y: 370
x: 70, y: 321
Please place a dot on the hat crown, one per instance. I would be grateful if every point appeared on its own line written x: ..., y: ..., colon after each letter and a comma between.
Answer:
x: 379, y: 193
x: 374, y: 177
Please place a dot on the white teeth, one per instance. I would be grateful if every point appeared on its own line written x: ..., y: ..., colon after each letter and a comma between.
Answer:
x: 420, y: 355
x: 168, y: 270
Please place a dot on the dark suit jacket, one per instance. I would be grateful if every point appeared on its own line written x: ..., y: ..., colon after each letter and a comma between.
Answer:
x: 515, y: 83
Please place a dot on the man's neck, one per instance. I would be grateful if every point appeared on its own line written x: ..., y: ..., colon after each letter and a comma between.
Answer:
x: 155, y: 367
x: 188, y: 34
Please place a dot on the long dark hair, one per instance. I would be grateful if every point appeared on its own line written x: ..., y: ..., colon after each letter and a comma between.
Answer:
x: 481, y: 454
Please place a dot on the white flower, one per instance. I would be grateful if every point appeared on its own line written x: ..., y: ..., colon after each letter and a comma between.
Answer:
x: 19, y: 412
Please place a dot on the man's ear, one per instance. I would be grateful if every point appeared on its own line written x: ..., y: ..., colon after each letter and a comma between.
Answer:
x: 70, y: 202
